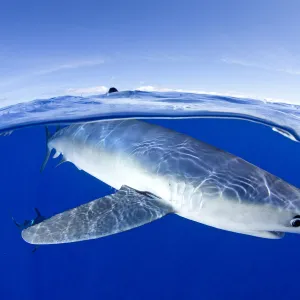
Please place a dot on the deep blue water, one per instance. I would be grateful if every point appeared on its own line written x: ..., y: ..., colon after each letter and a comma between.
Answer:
x: 172, y: 258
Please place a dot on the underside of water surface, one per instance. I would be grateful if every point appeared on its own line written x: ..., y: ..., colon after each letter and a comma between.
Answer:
x: 281, y: 117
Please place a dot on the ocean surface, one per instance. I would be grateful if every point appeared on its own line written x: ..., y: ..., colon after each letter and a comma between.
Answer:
x: 172, y: 258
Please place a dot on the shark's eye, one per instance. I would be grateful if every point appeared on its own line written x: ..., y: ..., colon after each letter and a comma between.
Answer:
x: 296, y: 221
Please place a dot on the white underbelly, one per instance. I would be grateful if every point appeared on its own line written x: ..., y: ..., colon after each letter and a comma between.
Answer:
x: 116, y: 171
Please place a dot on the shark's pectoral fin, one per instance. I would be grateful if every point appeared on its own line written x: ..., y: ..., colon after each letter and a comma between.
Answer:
x: 124, y: 210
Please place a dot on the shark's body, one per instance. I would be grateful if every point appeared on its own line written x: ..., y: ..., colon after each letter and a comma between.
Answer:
x: 194, y: 179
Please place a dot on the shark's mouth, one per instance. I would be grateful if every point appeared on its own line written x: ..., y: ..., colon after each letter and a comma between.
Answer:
x: 276, y: 234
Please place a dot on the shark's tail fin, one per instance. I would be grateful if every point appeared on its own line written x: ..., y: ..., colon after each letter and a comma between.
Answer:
x: 16, y: 223
x: 38, y: 214
x: 48, y: 151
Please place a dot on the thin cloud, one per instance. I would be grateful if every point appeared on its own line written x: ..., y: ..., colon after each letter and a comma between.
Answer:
x: 150, y: 88
x: 30, y: 74
x: 290, y: 71
x: 245, y: 63
x: 167, y: 57
x: 72, y: 65
x: 101, y: 89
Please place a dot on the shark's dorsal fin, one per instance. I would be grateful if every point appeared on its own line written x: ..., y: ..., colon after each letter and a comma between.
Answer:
x: 124, y: 210
x: 112, y: 90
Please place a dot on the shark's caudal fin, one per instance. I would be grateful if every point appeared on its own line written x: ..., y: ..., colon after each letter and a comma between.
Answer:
x: 27, y: 223
x: 124, y: 210
x: 16, y: 223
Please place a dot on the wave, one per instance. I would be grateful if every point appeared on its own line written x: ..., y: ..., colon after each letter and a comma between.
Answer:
x: 281, y: 117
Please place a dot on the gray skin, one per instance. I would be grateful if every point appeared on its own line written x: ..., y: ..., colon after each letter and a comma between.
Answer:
x: 199, y: 181
x: 121, y: 211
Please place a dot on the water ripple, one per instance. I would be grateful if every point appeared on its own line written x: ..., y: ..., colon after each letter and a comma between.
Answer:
x: 281, y: 117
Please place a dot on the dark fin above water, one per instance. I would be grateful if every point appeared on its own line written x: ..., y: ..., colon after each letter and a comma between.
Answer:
x: 112, y: 90
x: 124, y: 210
x: 48, y: 151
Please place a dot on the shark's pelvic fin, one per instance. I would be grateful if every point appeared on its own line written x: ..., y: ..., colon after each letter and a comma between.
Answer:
x: 124, y: 210
x: 63, y: 160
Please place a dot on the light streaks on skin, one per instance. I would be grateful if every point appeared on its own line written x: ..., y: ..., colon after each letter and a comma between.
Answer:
x: 193, y: 171
x: 224, y: 177
x: 200, y: 182
x: 111, y: 214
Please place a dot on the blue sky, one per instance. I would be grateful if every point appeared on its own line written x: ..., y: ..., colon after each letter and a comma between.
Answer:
x: 52, y: 48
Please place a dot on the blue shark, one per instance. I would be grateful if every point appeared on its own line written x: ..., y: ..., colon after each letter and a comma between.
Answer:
x: 157, y: 171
